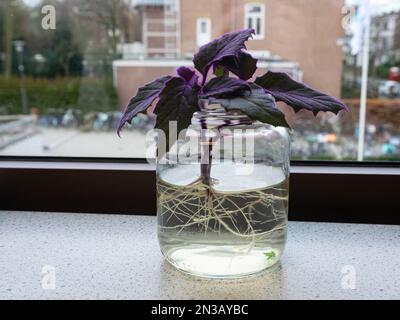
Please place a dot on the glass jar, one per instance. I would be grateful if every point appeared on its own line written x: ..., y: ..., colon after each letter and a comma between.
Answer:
x: 222, y: 196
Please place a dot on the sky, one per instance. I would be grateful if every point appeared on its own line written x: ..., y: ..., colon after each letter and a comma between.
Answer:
x: 31, y: 2
x: 379, y: 6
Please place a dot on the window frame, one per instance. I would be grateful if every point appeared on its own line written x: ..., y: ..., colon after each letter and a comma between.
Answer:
x: 319, y: 191
x: 199, y: 21
x: 261, y: 15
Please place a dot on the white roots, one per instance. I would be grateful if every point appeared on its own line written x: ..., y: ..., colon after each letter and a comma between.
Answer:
x: 249, y: 215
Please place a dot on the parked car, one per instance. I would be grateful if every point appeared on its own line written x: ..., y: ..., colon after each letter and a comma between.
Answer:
x: 389, y: 89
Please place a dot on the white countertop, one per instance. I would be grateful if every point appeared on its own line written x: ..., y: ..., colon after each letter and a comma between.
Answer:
x: 82, y: 256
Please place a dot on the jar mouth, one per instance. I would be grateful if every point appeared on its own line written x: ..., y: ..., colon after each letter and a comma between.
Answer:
x: 215, y: 116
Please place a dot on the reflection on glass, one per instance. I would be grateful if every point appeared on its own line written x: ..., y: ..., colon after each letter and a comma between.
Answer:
x: 63, y: 83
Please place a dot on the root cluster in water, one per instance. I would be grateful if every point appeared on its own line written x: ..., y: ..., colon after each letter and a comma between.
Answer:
x: 249, y: 215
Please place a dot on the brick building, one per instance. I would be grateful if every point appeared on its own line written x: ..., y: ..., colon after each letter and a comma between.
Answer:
x: 298, y: 36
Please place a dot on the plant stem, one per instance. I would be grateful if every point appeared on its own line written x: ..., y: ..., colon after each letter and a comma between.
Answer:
x: 205, y: 165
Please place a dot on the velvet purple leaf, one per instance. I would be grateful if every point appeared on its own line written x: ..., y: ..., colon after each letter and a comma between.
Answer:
x: 179, y: 95
x: 223, y: 86
x: 188, y: 74
x: 177, y: 103
x: 143, y: 100
x: 298, y: 95
x: 257, y: 104
x: 227, y: 51
x: 243, y: 65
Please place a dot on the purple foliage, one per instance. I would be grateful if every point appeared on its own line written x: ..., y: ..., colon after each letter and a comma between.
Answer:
x: 243, y: 65
x: 143, y: 99
x: 297, y: 95
x: 227, y: 51
x: 177, y: 103
x: 255, y: 104
x: 223, y: 86
x: 179, y: 96
x: 188, y: 74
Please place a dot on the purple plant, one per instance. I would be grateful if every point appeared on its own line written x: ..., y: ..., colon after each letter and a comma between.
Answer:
x: 179, y: 96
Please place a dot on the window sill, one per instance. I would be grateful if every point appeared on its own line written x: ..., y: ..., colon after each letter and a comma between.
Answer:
x: 117, y: 257
x: 319, y: 191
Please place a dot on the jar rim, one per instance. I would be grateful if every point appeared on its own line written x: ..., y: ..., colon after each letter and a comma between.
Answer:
x: 215, y: 116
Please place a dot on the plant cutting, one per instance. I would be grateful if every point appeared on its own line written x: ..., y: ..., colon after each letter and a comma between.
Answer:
x: 215, y: 219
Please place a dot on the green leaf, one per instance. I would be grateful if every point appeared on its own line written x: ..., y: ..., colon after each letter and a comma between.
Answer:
x: 257, y: 104
x: 270, y: 255
x: 177, y: 103
x: 220, y: 71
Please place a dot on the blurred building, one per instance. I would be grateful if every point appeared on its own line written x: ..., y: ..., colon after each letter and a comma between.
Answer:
x: 385, y: 36
x: 299, y: 37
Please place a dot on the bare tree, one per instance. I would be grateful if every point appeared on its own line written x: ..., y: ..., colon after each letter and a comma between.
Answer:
x: 108, y: 14
x: 8, y: 36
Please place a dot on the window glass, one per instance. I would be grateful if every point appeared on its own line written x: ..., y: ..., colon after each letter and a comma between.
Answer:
x: 258, y: 27
x: 254, y: 17
x: 203, y: 31
x: 68, y: 68
x: 254, y: 8
x: 250, y: 23
x: 203, y: 27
